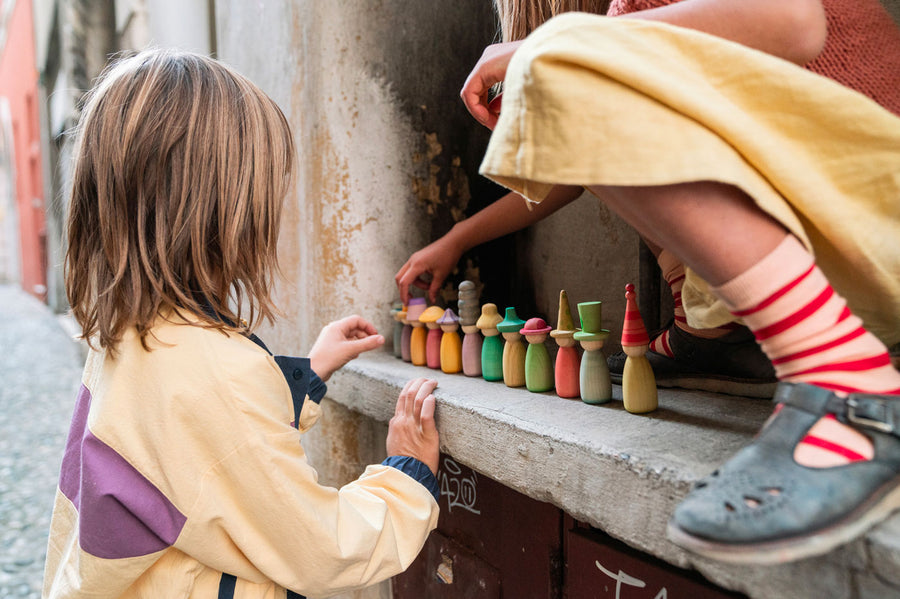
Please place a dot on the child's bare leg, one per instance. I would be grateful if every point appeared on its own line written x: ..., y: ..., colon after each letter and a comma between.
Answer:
x: 718, y: 231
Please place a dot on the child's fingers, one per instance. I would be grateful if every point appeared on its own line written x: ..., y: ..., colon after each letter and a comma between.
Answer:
x: 356, y: 327
x: 365, y: 344
x: 426, y: 415
x: 367, y: 327
x: 423, y: 392
x: 435, y: 287
x: 404, y: 394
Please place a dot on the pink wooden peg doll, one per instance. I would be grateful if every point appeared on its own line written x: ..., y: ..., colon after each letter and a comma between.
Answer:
x: 433, y: 338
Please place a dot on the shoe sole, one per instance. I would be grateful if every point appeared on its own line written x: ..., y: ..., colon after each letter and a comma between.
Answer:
x: 728, y: 386
x: 885, y: 502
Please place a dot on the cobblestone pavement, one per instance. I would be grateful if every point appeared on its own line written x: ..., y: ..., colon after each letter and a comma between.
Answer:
x: 40, y: 369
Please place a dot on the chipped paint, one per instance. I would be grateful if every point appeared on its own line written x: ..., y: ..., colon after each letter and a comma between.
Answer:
x: 428, y: 187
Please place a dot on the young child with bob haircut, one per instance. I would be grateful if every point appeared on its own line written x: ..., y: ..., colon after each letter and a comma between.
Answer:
x: 183, y: 474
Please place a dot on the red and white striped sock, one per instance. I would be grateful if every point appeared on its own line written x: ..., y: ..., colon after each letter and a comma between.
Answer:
x: 811, y: 336
x: 673, y: 272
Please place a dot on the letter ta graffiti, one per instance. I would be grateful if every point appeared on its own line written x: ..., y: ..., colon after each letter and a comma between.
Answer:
x: 623, y: 578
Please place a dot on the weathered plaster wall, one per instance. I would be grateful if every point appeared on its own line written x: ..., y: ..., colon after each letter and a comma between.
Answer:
x: 371, y: 92
x: 588, y: 251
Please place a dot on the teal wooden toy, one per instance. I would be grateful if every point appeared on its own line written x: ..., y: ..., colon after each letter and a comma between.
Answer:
x: 596, y: 387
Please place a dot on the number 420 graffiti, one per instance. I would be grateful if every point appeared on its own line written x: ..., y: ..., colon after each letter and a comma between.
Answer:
x: 460, y: 490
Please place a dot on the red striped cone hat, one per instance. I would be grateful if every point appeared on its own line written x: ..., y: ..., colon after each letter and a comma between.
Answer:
x: 633, y: 331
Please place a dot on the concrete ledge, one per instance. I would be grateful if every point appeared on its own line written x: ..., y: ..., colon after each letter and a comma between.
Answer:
x: 619, y: 472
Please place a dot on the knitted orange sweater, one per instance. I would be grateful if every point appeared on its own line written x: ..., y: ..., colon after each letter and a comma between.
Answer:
x: 862, y: 50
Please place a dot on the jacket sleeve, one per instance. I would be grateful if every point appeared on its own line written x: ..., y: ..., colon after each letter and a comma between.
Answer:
x: 259, y: 512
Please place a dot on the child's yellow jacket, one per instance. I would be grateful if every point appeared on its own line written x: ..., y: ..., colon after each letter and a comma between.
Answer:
x: 183, y: 476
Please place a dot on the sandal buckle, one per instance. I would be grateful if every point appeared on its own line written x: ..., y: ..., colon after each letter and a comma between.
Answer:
x: 883, y: 422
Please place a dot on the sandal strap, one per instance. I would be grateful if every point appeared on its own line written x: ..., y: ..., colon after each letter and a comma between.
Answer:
x: 869, y: 411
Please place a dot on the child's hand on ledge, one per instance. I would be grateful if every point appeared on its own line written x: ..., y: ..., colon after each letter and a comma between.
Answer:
x: 341, y: 341
x: 411, y: 431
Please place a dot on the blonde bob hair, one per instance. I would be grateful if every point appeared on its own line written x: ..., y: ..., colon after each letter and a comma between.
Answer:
x: 181, y: 167
x: 518, y: 18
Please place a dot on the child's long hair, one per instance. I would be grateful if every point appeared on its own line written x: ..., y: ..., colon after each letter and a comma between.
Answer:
x: 181, y: 168
x: 518, y: 18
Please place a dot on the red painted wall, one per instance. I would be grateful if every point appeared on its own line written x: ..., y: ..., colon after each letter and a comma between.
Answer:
x: 19, y: 84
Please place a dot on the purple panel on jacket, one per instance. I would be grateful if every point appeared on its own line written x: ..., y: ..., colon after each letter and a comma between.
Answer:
x: 121, y: 513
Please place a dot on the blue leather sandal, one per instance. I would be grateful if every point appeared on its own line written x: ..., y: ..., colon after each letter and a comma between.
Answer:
x: 733, y: 364
x: 761, y: 507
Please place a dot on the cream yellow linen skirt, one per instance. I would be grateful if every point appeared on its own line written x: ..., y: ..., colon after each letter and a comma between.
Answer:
x: 592, y: 100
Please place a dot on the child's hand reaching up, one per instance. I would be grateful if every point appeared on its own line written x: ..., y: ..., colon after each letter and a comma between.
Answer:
x: 411, y: 431
x: 341, y: 341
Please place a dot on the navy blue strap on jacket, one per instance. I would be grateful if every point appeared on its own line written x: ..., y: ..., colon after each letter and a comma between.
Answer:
x: 300, y: 379
x: 302, y: 382
x: 227, y: 584
x: 297, y: 371
x: 417, y: 470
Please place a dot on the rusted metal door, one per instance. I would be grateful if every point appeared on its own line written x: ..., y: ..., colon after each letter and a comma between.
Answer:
x: 491, y: 542
x: 495, y: 543
x: 600, y: 567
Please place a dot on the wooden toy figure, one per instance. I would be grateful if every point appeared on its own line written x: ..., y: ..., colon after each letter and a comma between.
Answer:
x: 433, y: 339
x: 568, y: 360
x: 638, y: 382
x: 596, y: 387
x: 513, y: 349
x: 398, y: 313
x: 492, y: 348
x: 405, y: 335
x: 538, y: 369
x: 468, y: 316
x: 418, y: 335
x: 451, y: 345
